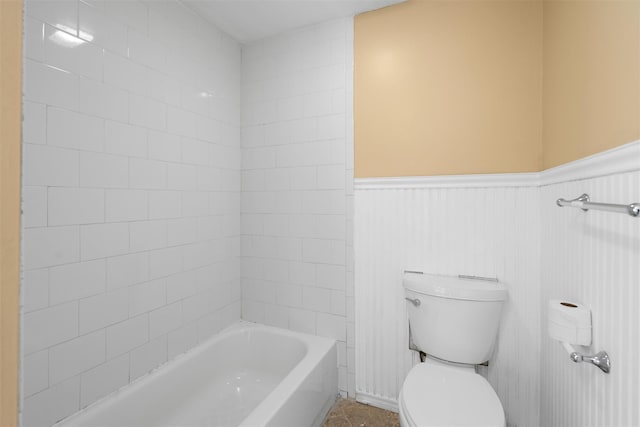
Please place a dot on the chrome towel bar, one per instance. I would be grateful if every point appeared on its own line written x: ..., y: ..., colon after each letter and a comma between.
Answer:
x: 583, y: 203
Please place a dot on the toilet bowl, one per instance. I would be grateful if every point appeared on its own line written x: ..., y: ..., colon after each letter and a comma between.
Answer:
x: 454, y: 322
x: 435, y: 394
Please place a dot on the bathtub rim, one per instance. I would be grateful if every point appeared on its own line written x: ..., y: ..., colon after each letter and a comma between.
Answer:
x: 262, y: 413
x: 317, y: 349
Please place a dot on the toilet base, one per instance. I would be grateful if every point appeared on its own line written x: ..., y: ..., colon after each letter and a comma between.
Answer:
x: 437, y: 395
x: 403, y: 419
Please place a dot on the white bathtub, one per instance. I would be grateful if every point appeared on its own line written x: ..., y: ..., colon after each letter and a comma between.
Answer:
x: 248, y: 375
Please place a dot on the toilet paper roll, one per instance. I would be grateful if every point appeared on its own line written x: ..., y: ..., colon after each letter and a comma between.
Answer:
x: 569, y: 322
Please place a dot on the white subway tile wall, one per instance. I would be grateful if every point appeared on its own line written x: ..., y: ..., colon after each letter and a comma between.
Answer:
x: 297, y: 151
x: 131, y: 195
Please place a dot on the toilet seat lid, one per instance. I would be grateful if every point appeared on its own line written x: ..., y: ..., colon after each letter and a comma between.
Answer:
x: 439, y: 395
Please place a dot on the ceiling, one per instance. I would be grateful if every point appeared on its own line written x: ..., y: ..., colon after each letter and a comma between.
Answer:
x: 251, y: 20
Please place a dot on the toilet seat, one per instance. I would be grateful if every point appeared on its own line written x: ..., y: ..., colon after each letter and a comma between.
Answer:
x: 435, y: 394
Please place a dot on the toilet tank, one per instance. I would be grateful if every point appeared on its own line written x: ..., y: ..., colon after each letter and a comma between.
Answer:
x: 454, y: 318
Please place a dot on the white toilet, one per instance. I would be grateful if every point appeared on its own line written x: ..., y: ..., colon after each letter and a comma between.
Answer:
x: 454, y: 320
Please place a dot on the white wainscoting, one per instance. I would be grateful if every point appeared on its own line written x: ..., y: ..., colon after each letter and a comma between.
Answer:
x: 510, y: 227
x: 593, y: 258
x: 454, y: 230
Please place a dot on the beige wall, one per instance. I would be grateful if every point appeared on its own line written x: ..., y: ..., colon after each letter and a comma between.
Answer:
x: 448, y: 87
x: 591, y: 77
x: 474, y: 86
x: 10, y: 123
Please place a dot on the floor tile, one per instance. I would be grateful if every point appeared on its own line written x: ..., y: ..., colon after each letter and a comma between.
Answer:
x: 349, y: 413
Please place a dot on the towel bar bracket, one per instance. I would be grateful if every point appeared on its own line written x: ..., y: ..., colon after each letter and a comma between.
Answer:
x: 584, y: 202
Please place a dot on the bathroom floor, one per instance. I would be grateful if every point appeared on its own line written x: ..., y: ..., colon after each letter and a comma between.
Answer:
x: 349, y: 413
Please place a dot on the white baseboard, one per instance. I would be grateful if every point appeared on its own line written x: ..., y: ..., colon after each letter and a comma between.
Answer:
x: 378, y: 402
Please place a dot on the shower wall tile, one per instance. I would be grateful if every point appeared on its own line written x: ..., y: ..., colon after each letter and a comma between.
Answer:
x: 35, y: 290
x: 146, y: 235
x: 103, y: 240
x: 103, y: 170
x: 34, y: 200
x: 72, y: 130
x: 103, y: 100
x: 147, y: 296
x: 84, y: 59
x: 102, y: 380
x: 165, y: 319
x: 296, y: 132
x: 76, y: 356
x: 44, y: 328
x: 35, y: 123
x: 180, y: 340
x: 36, y: 372
x: 54, y: 403
x: 49, y: 85
x: 131, y: 183
x: 75, y: 281
x: 148, y: 356
x: 125, y: 205
x: 49, y: 246
x: 50, y: 166
x: 107, y: 32
x: 66, y: 206
x: 102, y: 310
x: 125, y: 336
x: 124, y: 139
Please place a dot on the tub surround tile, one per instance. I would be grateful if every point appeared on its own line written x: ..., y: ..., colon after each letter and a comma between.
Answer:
x: 33, y: 39
x: 165, y: 319
x: 124, y: 139
x: 52, y: 404
x: 104, y: 379
x: 50, y: 326
x: 124, y: 205
x: 147, y: 296
x: 294, y: 201
x: 78, y: 355
x: 50, y: 166
x: 182, y: 339
x: 85, y: 59
x: 35, y: 290
x: 147, y: 235
x: 34, y: 200
x: 147, y: 357
x: 67, y: 206
x: 103, y: 240
x: 99, y: 161
x: 132, y: 170
x: 102, y: 310
x: 125, y: 336
x: 76, y: 281
x: 49, y: 85
x: 104, y: 30
x: 98, y: 170
x: 49, y: 246
x: 36, y: 372
x: 35, y: 123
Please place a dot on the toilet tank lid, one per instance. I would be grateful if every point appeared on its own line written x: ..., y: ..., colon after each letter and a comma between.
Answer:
x: 455, y: 287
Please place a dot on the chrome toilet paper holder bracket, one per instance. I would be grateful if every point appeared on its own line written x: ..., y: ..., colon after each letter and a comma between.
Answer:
x: 600, y: 359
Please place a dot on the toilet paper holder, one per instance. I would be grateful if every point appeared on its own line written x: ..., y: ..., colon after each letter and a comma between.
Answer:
x: 600, y: 359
